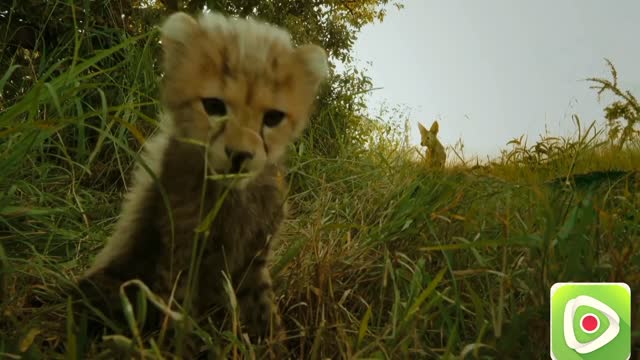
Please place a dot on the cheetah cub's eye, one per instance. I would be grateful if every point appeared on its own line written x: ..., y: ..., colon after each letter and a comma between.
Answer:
x: 272, y: 118
x: 214, y: 107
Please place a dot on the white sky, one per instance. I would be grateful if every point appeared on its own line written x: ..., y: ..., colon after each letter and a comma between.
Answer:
x: 492, y: 70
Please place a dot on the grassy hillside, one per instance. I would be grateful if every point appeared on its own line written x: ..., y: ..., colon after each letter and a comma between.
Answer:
x: 381, y: 258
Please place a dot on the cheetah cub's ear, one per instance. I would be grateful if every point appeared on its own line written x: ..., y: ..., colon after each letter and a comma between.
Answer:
x: 175, y: 34
x: 311, y: 65
x: 314, y: 59
x: 178, y: 27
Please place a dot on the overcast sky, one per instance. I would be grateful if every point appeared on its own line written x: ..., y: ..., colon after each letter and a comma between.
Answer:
x: 492, y: 70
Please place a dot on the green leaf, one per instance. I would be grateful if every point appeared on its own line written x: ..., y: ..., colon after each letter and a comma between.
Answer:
x: 364, y: 325
x: 425, y: 293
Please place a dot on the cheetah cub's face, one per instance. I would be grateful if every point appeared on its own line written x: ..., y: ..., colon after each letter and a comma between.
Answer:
x: 238, y: 86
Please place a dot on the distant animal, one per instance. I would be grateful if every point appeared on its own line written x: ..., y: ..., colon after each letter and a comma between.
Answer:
x: 236, y: 92
x: 436, y: 156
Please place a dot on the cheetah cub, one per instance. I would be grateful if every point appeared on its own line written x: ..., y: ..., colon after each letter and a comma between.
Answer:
x: 235, y: 93
x: 436, y: 155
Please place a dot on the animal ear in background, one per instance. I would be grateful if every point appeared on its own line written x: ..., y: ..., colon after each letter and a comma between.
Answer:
x: 434, y: 128
x: 423, y: 131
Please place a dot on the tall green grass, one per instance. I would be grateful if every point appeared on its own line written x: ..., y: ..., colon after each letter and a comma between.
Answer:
x: 381, y: 258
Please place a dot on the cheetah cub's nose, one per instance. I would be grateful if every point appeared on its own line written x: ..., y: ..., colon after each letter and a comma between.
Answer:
x: 238, y: 158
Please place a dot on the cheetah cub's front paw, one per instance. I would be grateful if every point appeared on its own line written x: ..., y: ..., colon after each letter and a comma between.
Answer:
x: 261, y: 318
